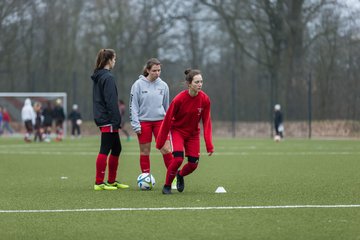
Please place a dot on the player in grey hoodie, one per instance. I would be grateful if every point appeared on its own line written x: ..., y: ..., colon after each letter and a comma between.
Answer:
x: 149, y: 100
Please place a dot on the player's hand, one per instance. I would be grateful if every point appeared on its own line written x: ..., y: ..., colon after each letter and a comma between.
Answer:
x: 166, y: 148
x: 210, y: 153
x: 138, y: 132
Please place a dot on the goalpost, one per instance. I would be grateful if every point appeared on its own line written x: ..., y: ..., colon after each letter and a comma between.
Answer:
x: 14, y: 101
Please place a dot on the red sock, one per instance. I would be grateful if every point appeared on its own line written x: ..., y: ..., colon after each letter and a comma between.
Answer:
x: 167, y: 159
x: 172, y: 170
x: 100, y: 168
x: 188, y: 168
x: 113, y: 165
x: 145, y: 163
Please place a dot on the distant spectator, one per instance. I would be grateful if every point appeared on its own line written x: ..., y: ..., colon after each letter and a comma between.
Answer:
x: 48, y: 121
x: 39, y: 131
x: 278, y: 122
x: 6, y: 121
x: 75, y: 118
x: 28, y: 117
x: 59, y: 117
x: 1, y: 119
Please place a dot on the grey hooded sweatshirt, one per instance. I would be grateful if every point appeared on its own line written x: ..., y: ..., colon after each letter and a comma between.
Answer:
x: 149, y: 101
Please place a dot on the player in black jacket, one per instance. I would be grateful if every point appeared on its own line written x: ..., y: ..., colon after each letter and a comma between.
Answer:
x: 278, y: 122
x: 108, y: 119
x: 75, y: 119
x: 59, y: 117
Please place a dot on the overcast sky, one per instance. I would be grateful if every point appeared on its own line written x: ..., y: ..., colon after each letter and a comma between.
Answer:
x: 354, y: 3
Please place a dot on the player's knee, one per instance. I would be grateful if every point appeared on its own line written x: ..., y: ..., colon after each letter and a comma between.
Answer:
x: 116, y: 151
x: 193, y: 163
x: 144, y: 150
x: 105, y: 149
x: 193, y: 159
x: 165, y: 150
x: 178, y: 154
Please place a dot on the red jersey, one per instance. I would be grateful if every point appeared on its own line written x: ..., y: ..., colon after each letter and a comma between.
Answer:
x: 6, y: 117
x: 184, y: 115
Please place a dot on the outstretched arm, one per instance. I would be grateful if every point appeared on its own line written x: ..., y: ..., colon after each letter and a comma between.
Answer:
x: 206, y: 119
x: 165, y: 126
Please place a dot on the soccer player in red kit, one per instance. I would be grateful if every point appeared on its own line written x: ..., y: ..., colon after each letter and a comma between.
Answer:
x: 182, y: 121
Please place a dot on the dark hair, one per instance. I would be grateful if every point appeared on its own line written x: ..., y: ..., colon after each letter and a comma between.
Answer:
x: 190, y: 73
x: 103, y: 57
x: 151, y: 62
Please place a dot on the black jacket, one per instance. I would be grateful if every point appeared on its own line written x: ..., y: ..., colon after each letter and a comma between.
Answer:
x: 48, y: 116
x: 278, y: 119
x: 74, y: 116
x: 105, y: 99
x: 58, y: 113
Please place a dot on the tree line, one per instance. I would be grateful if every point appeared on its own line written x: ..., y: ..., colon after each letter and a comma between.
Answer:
x: 253, y: 54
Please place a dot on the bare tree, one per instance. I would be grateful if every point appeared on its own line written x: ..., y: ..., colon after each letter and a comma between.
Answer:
x: 9, y: 26
x: 278, y: 29
x: 252, y: 53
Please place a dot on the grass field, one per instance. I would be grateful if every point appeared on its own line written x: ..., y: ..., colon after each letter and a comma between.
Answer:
x: 296, y: 189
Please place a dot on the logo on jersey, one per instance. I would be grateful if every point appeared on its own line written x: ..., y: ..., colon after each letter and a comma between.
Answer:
x: 161, y: 91
x: 199, y: 111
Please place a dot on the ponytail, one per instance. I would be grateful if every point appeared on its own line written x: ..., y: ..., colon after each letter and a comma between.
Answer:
x: 103, y: 57
x: 190, y: 73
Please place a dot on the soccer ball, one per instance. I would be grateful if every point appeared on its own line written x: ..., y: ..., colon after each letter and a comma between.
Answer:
x: 146, y: 181
x: 79, y: 122
x: 277, y: 138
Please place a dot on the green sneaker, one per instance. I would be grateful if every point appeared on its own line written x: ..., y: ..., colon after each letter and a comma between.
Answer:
x: 173, y: 184
x: 118, y: 185
x: 103, y: 186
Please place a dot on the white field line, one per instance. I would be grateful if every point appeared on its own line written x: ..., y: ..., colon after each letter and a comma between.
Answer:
x: 178, y: 208
x: 79, y: 153
x: 239, y: 153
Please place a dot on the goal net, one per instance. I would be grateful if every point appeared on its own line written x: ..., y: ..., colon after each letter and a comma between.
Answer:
x: 14, y: 101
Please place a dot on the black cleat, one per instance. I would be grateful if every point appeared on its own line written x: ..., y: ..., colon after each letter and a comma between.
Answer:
x: 166, y: 189
x: 180, y: 185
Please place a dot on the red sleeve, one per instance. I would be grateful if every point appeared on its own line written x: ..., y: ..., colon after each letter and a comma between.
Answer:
x: 165, y: 126
x: 206, y: 119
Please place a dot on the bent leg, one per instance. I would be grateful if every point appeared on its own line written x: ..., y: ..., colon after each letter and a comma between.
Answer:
x: 173, y: 167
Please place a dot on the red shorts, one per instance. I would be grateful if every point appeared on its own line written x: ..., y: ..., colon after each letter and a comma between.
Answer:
x: 191, y: 144
x: 147, y: 130
x: 108, y: 129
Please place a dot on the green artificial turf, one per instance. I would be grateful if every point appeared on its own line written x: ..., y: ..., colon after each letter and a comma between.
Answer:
x: 301, y: 174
